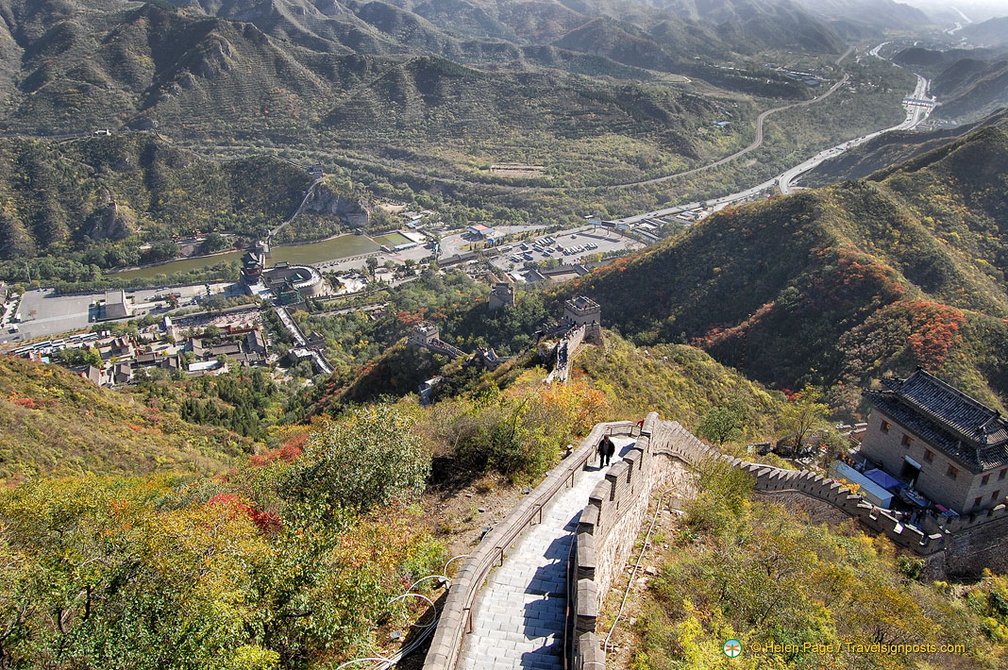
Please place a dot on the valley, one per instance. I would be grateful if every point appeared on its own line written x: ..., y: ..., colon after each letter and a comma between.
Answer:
x: 443, y: 334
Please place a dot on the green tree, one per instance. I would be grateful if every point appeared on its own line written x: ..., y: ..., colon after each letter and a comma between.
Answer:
x: 80, y: 356
x: 214, y: 242
x: 722, y: 424
x: 804, y: 411
x: 162, y: 250
x: 371, y: 457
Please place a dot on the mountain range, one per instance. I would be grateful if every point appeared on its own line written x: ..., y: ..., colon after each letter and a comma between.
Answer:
x: 288, y: 67
x: 843, y: 284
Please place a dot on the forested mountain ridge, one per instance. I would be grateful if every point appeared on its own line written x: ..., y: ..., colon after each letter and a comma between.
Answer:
x: 283, y: 67
x: 839, y: 285
x: 892, y: 149
x: 93, y: 200
x: 54, y: 422
x: 394, y: 97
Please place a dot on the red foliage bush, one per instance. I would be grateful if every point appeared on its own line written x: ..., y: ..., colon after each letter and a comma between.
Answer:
x: 265, y: 521
x: 287, y: 453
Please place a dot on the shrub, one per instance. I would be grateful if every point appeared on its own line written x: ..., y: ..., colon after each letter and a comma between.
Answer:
x: 373, y: 456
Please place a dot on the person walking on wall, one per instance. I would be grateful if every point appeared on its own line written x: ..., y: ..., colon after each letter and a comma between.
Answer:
x: 606, y: 449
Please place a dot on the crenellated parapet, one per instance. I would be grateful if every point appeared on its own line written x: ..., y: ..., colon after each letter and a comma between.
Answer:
x: 610, y: 522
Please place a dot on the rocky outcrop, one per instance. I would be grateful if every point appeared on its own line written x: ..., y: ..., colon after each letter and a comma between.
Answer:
x: 355, y: 212
x: 109, y: 223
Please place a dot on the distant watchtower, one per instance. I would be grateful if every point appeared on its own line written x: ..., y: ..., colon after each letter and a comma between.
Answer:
x: 502, y: 296
x: 424, y: 333
x: 583, y: 311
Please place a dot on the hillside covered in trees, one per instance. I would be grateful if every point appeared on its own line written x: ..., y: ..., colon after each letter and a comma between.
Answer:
x: 803, y: 595
x: 840, y: 285
x: 95, y: 200
x: 55, y: 422
x: 288, y: 556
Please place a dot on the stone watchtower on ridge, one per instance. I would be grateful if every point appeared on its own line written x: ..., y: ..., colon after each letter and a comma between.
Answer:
x: 502, y: 296
x: 583, y: 311
x: 424, y: 333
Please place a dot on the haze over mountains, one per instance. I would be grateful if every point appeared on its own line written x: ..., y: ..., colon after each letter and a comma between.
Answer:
x: 69, y: 66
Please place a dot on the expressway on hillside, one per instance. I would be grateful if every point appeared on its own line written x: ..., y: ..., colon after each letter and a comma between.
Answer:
x: 918, y: 107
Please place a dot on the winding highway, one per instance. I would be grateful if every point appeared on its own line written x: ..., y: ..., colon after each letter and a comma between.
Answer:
x: 756, y: 144
x: 918, y: 107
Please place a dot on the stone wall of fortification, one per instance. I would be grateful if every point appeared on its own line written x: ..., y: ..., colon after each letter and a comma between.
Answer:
x: 961, y: 547
x: 454, y: 622
x: 612, y: 520
x: 606, y: 533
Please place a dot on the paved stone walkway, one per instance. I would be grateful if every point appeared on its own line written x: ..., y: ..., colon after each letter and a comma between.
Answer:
x: 518, y: 618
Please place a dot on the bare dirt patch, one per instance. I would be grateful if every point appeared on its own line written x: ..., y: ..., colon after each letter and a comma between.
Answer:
x: 517, y: 169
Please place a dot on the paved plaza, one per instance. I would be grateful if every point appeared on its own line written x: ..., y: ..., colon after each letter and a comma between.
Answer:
x: 43, y: 313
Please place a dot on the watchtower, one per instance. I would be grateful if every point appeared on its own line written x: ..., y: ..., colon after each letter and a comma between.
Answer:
x: 502, y: 296
x: 583, y: 311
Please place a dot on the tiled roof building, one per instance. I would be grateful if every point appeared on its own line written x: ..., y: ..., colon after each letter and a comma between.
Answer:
x: 952, y: 447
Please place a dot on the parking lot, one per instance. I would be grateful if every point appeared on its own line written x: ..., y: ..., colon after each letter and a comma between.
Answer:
x: 42, y: 312
x: 578, y: 244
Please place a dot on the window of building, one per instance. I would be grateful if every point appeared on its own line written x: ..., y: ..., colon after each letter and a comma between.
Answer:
x: 977, y: 501
x: 885, y: 426
x: 996, y: 495
x: 928, y: 456
x: 984, y: 480
x: 1001, y: 475
x: 952, y: 471
x: 906, y: 441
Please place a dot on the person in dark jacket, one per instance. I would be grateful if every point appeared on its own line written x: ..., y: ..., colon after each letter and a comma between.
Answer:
x: 606, y: 449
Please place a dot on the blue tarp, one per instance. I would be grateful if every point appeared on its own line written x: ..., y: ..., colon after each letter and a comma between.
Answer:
x: 869, y: 489
x: 884, y: 479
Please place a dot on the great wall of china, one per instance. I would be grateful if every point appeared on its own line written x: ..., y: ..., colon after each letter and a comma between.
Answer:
x: 556, y: 559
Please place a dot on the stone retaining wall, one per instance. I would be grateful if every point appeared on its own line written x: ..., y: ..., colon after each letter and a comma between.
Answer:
x: 772, y: 480
x: 612, y: 519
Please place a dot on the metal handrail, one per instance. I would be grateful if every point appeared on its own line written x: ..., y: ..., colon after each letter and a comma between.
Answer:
x: 542, y: 494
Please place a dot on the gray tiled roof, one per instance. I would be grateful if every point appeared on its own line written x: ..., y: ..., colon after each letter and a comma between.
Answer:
x: 951, y: 421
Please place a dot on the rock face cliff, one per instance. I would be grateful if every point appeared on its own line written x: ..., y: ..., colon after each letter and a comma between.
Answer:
x: 356, y: 212
x: 109, y: 223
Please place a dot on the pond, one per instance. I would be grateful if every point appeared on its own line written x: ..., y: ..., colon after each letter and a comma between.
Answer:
x: 297, y: 254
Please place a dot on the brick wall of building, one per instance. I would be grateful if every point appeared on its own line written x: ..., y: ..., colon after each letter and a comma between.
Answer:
x: 958, y: 492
